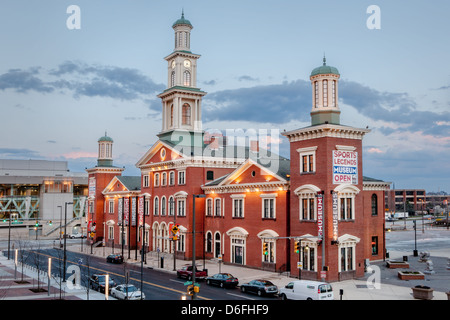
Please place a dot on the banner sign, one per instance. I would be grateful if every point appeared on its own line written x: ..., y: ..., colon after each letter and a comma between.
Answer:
x: 141, y: 211
x: 320, y: 214
x: 126, y: 208
x: 119, y: 211
x: 133, y: 211
x: 345, y: 167
x: 92, y: 187
x: 335, y: 216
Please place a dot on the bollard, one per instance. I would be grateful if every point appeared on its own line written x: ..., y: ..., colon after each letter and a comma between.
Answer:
x: 162, y: 262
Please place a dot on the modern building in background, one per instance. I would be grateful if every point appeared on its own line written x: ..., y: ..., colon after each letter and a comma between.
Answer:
x: 39, y: 189
x: 314, y: 215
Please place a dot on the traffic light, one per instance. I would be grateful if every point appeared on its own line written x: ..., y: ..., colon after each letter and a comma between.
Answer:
x: 36, y: 224
x: 265, y: 248
x: 297, y: 247
x: 190, y: 290
x: 50, y: 222
x: 196, y: 289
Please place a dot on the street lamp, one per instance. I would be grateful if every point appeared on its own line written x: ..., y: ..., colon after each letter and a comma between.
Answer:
x: 60, y: 224
x: 65, y: 237
x: 194, y: 269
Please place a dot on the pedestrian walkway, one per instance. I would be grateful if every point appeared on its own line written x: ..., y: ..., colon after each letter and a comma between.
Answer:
x: 28, y: 283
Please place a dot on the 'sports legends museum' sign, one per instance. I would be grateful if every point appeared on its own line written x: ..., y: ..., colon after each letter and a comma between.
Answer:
x: 345, y: 167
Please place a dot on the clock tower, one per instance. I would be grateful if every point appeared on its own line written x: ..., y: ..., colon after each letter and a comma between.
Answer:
x: 181, y: 101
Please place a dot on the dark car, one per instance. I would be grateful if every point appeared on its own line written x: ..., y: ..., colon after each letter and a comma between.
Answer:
x: 260, y: 287
x: 114, y: 258
x: 98, y: 282
x: 222, y: 280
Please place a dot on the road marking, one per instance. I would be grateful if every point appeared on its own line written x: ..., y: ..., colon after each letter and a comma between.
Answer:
x: 119, y: 275
x: 238, y: 295
x: 179, y: 281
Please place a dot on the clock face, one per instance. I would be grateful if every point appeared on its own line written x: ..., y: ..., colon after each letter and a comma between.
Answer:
x: 173, y: 64
x: 187, y: 64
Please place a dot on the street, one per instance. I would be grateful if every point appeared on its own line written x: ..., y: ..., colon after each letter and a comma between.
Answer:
x: 156, y: 284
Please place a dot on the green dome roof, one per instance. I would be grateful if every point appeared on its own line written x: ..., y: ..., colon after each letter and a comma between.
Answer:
x: 324, y: 69
x: 182, y: 20
x: 105, y: 138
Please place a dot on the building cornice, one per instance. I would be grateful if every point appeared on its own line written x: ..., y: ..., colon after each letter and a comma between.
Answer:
x: 325, y: 130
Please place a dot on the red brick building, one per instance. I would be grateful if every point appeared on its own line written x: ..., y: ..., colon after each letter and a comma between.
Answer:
x: 252, y: 206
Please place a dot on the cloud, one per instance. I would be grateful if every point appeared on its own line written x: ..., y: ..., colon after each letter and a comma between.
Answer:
x: 247, y: 78
x: 264, y: 104
x: 23, y: 81
x: 19, y: 153
x: 83, y: 80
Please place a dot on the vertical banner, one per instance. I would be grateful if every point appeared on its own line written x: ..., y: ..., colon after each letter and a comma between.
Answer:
x: 335, y: 216
x: 133, y: 211
x: 320, y: 214
x: 91, y: 187
x: 126, y: 209
x: 141, y: 211
x: 119, y: 211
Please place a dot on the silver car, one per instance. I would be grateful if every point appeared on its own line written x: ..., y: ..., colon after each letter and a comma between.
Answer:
x: 127, y: 292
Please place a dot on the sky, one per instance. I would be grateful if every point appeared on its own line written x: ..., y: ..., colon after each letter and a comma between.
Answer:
x: 67, y: 77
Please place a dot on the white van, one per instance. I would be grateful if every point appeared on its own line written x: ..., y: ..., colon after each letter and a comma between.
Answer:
x: 307, y: 290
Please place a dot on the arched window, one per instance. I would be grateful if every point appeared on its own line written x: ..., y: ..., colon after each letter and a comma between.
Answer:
x: 171, y: 206
x: 333, y: 87
x: 187, y: 78
x: 208, y: 242
x: 156, y: 206
x: 172, y: 79
x: 316, y: 94
x: 374, y: 205
x: 163, y: 206
x: 186, y: 114
x: 325, y: 93
x: 217, y: 245
x: 171, y: 115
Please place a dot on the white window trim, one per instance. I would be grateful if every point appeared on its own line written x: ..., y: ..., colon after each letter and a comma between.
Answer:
x: 172, y: 173
x: 307, y: 196
x: 307, y: 152
x: 209, y: 200
x: 146, y: 180
x: 215, y: 207
x: 156, y: 207
x: 164, y: 179
x: 183, y: 172
x: 156, y: 180
x: 235, y: 197
x: 272, y: 196
x: 111, y: 206
x: 346, y: 196
x: 184, y: 207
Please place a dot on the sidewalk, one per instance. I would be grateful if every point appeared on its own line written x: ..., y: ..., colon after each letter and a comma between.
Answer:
x: 353, y: 289
x: 17, y: 286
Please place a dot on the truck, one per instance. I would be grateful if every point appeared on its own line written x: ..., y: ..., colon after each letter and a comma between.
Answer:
x: 186, y: 272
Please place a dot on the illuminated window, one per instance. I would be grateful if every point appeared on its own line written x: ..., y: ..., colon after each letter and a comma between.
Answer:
x: 186, y: 112
x: 325, y: 93
x: 187, y: 78
x: 316, y: 91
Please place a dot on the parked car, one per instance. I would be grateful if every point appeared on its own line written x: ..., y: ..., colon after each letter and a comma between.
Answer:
x: 127, y: 292
x: 260, y: 287
x: 98, y: 282
x: 186, y: 272
x: 114, y: 258
x: 222, y: 280
x: 307, y: 290
x: 77, y: 236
